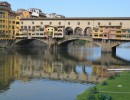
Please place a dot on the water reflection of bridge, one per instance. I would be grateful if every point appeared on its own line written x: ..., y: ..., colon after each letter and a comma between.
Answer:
x: 66, y: 67
x: 26, y: 65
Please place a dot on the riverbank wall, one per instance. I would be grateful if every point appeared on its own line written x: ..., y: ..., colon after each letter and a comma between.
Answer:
x: 10, y: 43
x: 7, y: 43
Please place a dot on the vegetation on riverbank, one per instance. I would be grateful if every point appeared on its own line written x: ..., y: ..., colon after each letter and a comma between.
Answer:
x: 80, y: 42
x: 114, y: 88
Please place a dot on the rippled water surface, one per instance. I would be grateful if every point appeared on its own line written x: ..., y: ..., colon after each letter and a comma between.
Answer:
x: 38, y: 74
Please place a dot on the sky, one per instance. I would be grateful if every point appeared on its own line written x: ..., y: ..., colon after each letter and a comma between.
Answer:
x: 77, y: 8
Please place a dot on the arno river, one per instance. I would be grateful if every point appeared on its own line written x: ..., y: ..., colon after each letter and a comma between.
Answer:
x: 37, y: 74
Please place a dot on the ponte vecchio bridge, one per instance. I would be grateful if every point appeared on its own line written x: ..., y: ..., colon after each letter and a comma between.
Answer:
x: 105, y: 32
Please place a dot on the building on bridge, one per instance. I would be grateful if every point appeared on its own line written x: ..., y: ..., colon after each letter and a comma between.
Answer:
x: 54, y: 31
x: 41, y: 31
x: 95, y: 29
x: 80, y: 26
x: 111, y: 32
x: 102, y: 28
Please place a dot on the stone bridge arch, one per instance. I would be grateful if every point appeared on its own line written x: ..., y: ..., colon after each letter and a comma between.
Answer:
x: 118, y: 43
x: 26, y: 41
x: 87, y: 31
x: 78, y: 31
x: 67, y: 41
x: 69, y: 31
x: 78, y: 69
x: 115, y: 44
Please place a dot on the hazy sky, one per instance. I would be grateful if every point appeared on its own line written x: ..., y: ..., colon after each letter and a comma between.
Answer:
x: 77, y: 8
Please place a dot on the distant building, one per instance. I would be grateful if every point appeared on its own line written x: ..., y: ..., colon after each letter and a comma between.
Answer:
x: 5, y: 5
x: 36, y: 13
x: 10, y: 20
x: 20, y: 10
x: 54, y: 15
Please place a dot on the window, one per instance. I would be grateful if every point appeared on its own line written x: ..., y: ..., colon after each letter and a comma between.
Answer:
x: 78, y: 23
x: 37, y: 33
x: 121, y: 23
x: 17, y: 22
x: 95, y: 35
x: 59, y: 30
x: 25, y: 27
x: 13, y: 27
x: 33, y: 27
x: 41, y: 33
x: 100, y: 35
x: 41, y: 29
x: 29, y: 27
x: 101, y: 30
x: 109, y: 23
x: 123, y: 31
x: 68, y: 23
x: 55, y: 29
x: 21, y: 27
x: 59, y: 23
x: 50, y: 23
x: 128, y: 31
x: 96, y: 30
x: 32, y: 22
x: 17, y: 17
x: 88, y: 23
x: 41, y: 23
x: 21, y: 22
x: 98, y: 23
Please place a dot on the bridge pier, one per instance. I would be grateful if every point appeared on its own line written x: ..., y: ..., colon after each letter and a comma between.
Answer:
x: 113, y: 50
x: 106, y: 46
x: 53, y: 45
x: 6, y: 43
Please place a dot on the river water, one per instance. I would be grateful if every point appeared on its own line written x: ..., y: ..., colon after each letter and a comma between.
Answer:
x: 40, y: 74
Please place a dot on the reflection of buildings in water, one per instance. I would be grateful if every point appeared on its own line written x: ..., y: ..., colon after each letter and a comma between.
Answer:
x: 99, y: 71
x: 84, y: 52
x: 80, y: 52
x: 8, y: 70
x: 57, y: 70
x: 54, y: 66
x: 54, y: 70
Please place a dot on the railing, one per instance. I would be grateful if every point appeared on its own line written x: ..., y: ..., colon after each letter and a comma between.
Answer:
x: 6, y: 38
x: 74, y: 37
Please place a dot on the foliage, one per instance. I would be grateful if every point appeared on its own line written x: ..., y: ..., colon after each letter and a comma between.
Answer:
x: 111, y: 77
x: 112, y: 87
x: 93, y: 90
x: 104, y: 83
x: 104, y: 97
x: 117, y: 75
x: 91, y: 97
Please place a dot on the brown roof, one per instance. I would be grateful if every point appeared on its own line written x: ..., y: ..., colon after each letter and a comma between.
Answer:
x: 110, y: 26
x: 80, y: 18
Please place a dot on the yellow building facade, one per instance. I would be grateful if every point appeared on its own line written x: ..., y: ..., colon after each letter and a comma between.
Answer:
x: 4, y: 22
x: 12, y: 24
x: 7, y: 20
x: 49, y: 30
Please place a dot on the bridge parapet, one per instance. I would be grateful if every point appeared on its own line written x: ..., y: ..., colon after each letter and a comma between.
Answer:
x: 70, y: 38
